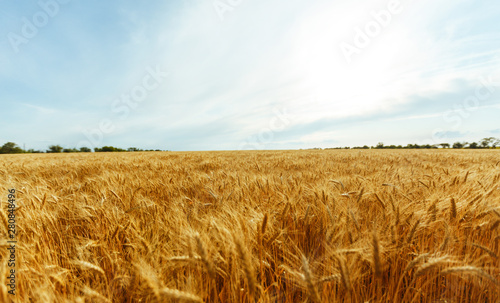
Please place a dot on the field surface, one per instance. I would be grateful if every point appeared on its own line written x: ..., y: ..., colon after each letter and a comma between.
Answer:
x: 267, y: 226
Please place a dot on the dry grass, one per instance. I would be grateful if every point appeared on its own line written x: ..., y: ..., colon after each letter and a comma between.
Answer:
x: 273, y: 226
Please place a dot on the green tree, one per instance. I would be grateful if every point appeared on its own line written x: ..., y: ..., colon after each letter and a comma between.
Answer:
x: 458, y: 145
x: 70, y: 150
x: 11, y: 148
x: 485, y: 143
x: 85, y: 150
x: 55, y: 149
x: 134, y: 149
x: 108, y: 149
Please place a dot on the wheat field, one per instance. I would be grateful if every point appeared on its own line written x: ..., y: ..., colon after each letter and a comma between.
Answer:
x: 255, y: 226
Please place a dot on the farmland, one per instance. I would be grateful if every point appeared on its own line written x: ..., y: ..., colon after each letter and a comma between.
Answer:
x: 254, y: 226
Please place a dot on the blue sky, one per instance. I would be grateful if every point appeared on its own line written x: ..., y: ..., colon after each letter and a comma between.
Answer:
x: 240, y: 74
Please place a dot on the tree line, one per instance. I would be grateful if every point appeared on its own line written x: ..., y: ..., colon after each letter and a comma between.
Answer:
x: 13, y: 148
x: 490, y: 142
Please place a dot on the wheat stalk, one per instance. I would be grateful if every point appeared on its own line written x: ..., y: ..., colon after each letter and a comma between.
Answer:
x: 377, y: 262
x: 453, y: 209
x: 179, y: 295
x: 412, y: 232
x: 344, y: 273
x: 470, y: 270
x: 487, y: 250
x: 308, y: 277
x: 204, y: 256
x: 247, y: 266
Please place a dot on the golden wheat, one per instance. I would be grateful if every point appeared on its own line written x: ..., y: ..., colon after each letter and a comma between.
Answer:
x: 260, y: 226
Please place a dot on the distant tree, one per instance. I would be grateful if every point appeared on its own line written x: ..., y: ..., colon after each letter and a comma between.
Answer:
x: 458, y: 145
x: 55, y: 149
x: 108, y: 149
x: 380, y: 145
x: 413, y: 146
x: 32, y: 151
x: 496, y: 143
x: 473, y: 145
x: 134, y: 149
x: 366, y: 147
x: 70, y: 150
x: 85, y: 150
x: 485, y: 143
x: 11, y: 148
x: 445, y: 145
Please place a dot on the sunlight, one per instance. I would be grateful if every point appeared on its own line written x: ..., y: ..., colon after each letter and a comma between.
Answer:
x: 343, y: 88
